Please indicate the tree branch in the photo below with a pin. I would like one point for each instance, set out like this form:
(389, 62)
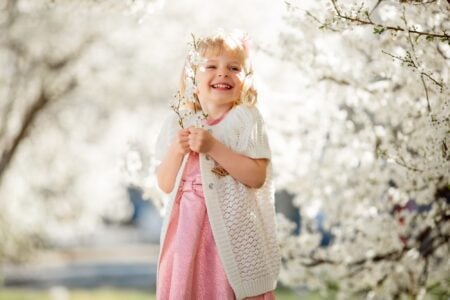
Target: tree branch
(30, 116)
(443, 36)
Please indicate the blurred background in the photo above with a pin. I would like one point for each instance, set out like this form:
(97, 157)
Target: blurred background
(355, 97)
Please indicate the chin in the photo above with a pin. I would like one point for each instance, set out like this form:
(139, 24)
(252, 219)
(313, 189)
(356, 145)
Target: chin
(224, 102)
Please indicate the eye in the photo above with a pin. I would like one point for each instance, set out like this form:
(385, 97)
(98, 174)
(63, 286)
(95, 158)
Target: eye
(210, 66)
(235, 68)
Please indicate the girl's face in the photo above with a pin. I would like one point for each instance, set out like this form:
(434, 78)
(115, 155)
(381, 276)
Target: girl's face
(219, 80)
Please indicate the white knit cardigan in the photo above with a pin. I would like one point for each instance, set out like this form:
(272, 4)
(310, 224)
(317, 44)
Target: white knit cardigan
(242, 219)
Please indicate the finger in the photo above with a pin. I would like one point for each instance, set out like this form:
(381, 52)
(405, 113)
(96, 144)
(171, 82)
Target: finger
(183, 132)
(192, 144)
(194, 130)
(181, 142)
(193, 135)
(190, 128)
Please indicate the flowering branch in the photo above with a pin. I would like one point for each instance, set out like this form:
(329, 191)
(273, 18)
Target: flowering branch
(379, 28)
(191, 67)
(176, 108)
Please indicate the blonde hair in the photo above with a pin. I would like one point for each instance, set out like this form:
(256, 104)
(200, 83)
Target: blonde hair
(237, 45)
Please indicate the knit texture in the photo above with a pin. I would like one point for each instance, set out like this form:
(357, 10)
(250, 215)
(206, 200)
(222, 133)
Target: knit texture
(242, 219)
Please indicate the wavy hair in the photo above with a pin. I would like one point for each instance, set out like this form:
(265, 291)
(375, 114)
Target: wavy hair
(237, 45)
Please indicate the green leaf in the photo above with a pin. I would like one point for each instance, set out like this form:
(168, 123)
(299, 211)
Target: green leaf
(378, 29)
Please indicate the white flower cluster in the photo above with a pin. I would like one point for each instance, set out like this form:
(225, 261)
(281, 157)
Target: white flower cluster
(366, 153)
(194, 61)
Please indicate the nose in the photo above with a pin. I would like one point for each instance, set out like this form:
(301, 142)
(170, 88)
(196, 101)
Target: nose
(222, 72)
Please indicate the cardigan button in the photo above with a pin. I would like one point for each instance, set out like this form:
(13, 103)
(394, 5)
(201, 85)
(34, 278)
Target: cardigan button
(207, 157)
(211, 185)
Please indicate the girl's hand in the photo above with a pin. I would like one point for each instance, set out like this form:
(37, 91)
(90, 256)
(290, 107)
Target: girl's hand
(200, 140)
(181, 143)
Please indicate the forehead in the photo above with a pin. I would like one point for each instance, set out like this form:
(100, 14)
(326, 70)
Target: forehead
(215, 51)
(223, 58)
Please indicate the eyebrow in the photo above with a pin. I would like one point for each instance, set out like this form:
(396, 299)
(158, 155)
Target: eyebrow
(230, 62)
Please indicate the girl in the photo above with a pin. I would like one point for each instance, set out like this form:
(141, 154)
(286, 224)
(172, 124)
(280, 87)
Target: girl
(218, 235)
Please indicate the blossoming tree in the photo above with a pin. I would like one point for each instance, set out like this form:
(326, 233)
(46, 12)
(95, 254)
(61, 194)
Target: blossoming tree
(58, 80)
(371, 147)
(362, 146)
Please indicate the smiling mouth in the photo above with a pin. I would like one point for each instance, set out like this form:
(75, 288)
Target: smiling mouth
(221, 86)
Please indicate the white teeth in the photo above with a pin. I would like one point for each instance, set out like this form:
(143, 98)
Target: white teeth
(222, 86)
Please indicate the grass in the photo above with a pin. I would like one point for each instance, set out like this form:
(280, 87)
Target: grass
(104, 294)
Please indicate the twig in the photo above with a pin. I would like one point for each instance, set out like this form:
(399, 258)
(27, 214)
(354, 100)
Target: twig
(375, 6)
(426, 93)
(443, 36)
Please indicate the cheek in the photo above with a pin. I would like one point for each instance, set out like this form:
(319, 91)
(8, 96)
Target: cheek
(239, 86)
(201, 80)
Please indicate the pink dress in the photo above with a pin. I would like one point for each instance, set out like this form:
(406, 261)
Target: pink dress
(189, 266)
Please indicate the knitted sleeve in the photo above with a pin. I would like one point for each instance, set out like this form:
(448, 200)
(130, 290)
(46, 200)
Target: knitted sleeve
(253, 140)
(166, 136)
